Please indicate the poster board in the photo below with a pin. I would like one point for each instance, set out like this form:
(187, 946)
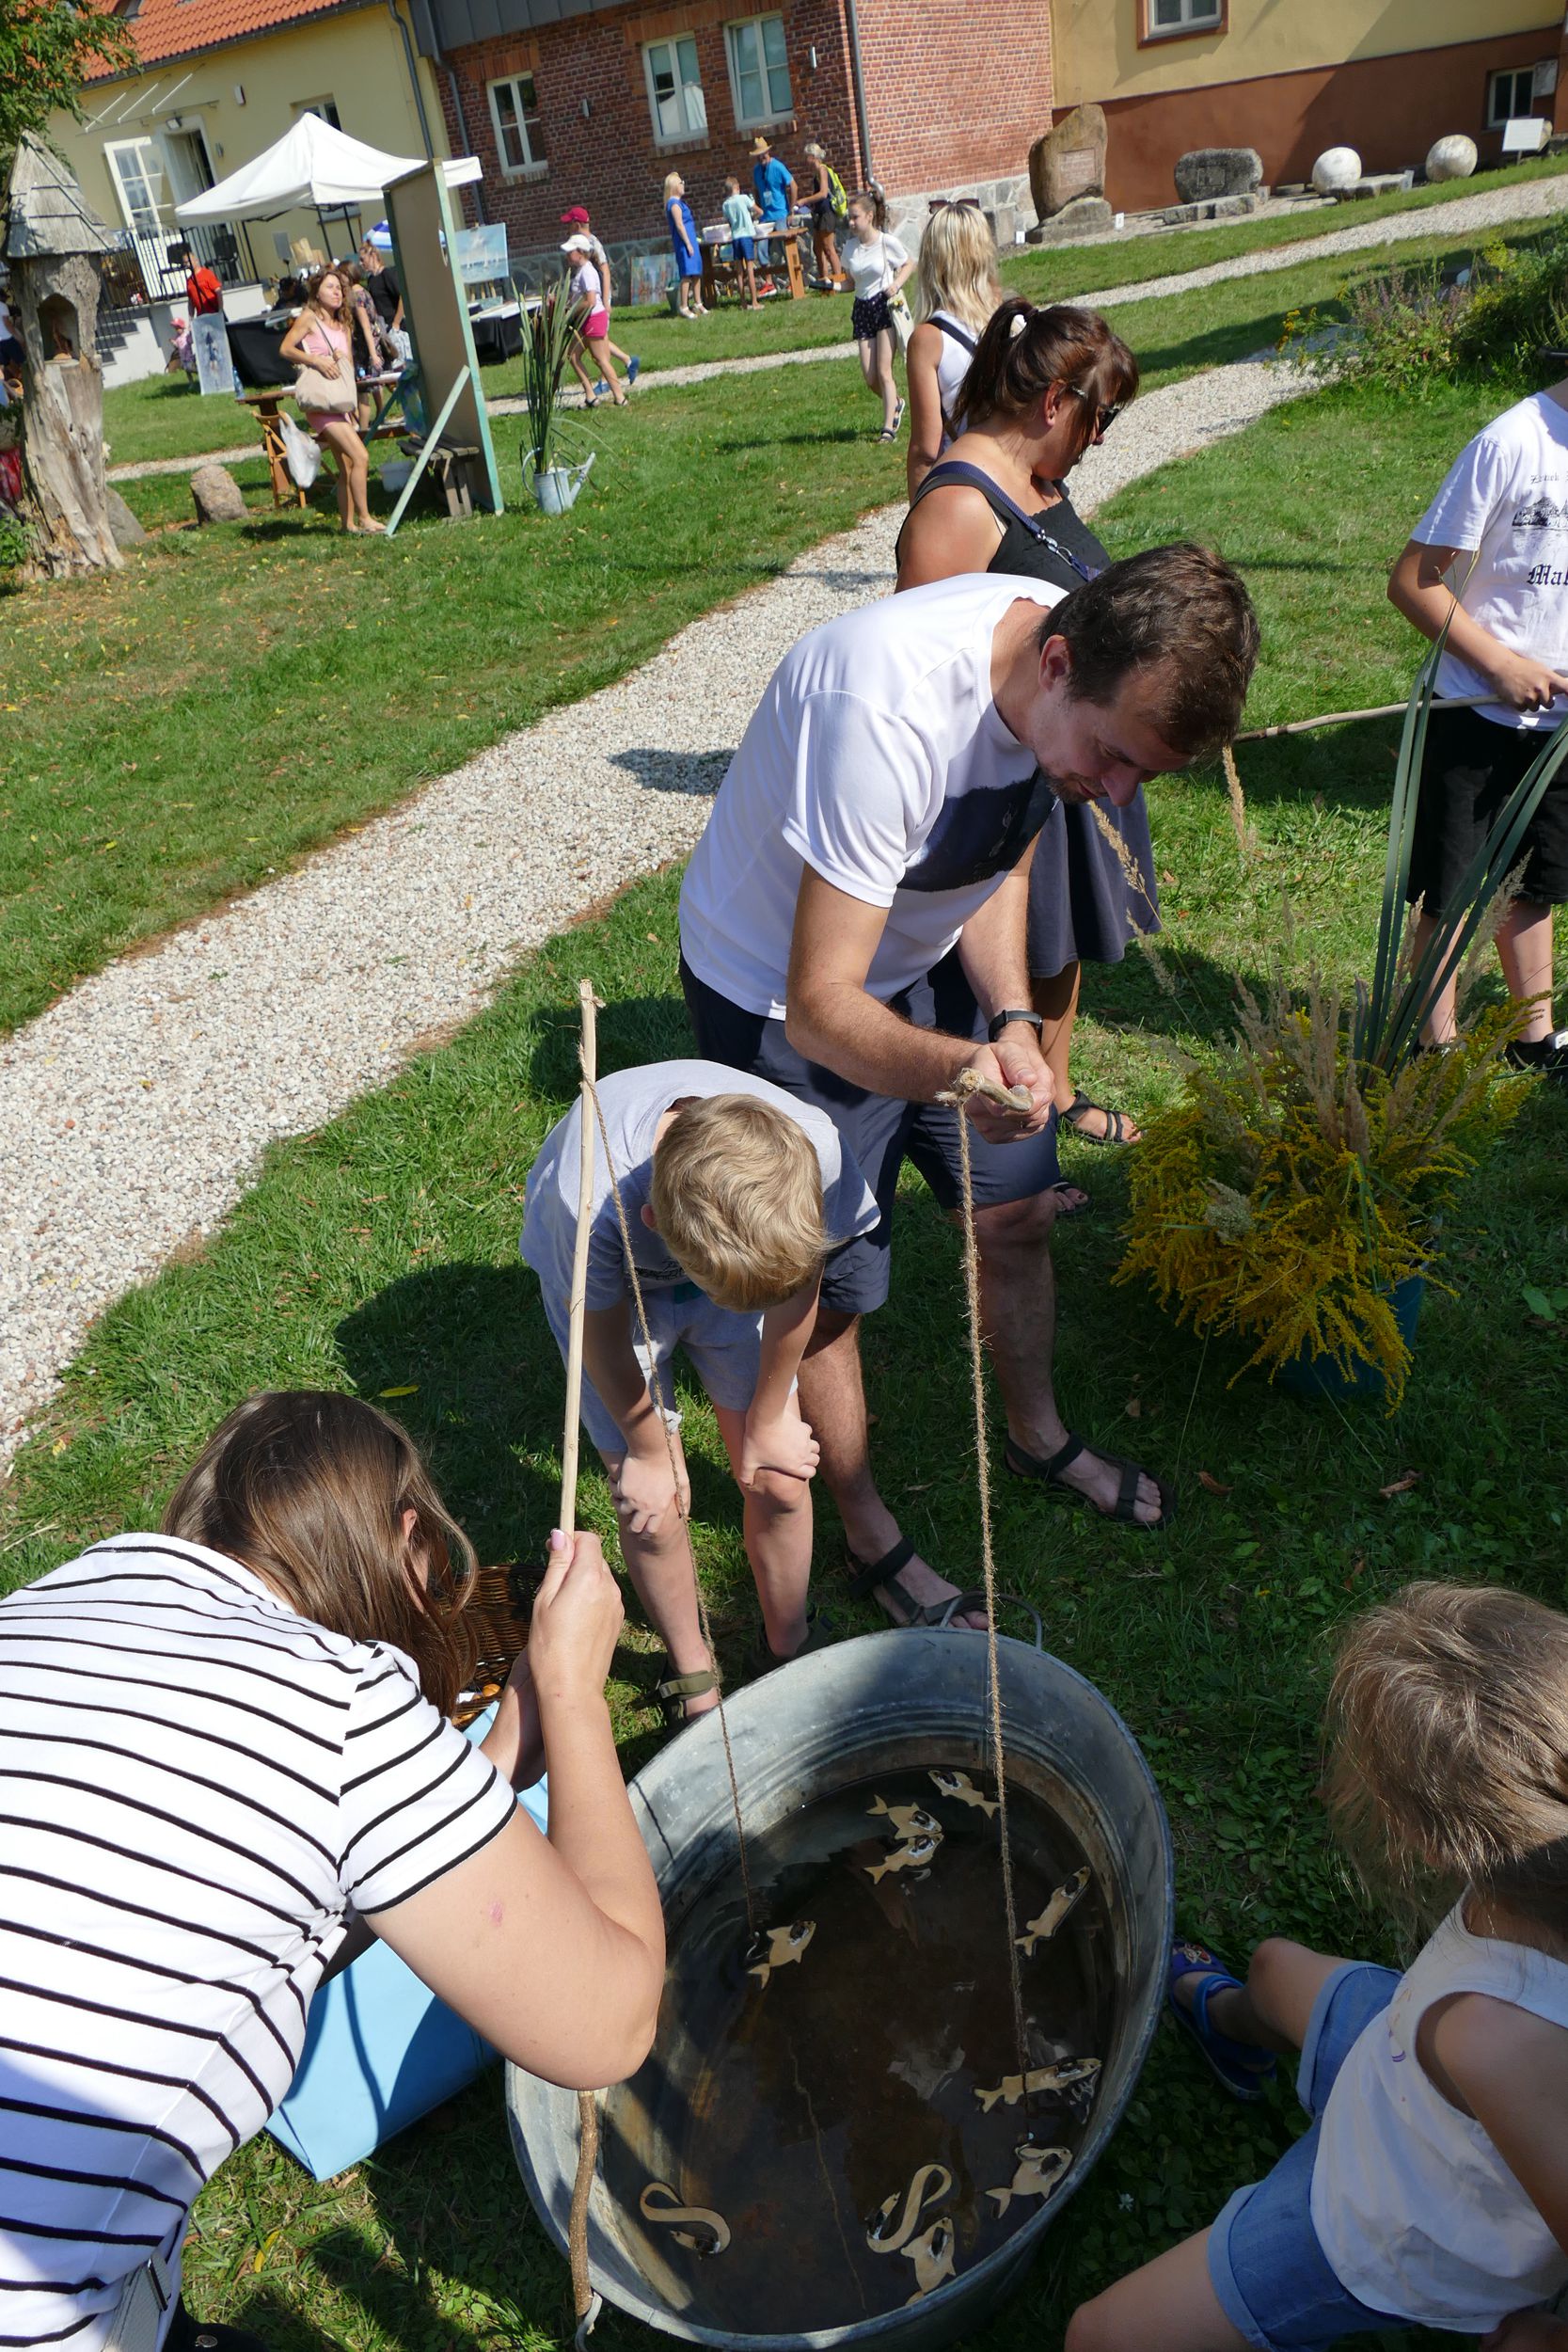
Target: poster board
(436, 313)
(215, 369)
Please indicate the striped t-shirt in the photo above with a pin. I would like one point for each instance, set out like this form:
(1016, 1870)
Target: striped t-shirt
(196, 1782)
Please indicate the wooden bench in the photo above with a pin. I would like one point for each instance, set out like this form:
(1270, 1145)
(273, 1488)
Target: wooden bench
(452, 466)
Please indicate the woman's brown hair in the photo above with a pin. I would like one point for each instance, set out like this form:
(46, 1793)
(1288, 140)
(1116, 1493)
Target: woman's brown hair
(875, 202)
(1448, 1750)
(309, 1489)
(313, 284)
(1024, 351)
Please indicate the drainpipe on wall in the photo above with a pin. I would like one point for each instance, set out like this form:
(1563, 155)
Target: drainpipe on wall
(412, 80)
(859, 78)
(429, 45)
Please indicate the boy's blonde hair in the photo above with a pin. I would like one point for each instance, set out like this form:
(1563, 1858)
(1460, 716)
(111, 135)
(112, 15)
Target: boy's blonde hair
(957, 268)
(737, 1195)
(1448, 1757)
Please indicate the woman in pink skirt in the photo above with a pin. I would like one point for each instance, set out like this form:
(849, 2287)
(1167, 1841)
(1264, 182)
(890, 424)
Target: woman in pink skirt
(322, 338)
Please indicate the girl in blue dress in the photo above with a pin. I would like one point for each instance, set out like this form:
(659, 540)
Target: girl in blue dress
(688, 259)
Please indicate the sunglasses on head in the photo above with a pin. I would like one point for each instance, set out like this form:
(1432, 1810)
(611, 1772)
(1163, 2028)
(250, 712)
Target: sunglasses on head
(1105, 411)
(956, 204)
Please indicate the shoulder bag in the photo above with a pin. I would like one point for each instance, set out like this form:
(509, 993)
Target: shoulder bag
(332, 394)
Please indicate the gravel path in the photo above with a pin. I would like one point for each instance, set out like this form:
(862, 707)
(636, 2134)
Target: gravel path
(1530, 199)
(133, 1112)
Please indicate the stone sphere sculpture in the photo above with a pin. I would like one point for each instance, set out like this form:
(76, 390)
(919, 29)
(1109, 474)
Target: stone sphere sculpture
(1453, 158)
(1337, 167)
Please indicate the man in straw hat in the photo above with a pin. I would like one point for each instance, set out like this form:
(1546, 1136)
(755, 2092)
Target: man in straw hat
(774, 183)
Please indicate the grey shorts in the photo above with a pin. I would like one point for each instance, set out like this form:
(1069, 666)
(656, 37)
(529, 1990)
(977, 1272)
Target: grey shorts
(725, 1350)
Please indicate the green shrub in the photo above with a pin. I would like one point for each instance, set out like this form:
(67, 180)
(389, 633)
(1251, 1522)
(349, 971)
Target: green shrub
(15, 547)
(1518, 309)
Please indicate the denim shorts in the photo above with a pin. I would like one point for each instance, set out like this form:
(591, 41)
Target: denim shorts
(880, 1131)
(1270, 2275)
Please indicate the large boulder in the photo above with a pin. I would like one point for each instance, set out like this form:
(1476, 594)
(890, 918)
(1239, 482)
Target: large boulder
(1336, 169)
(217, 496)
(127, 531)
(1069, 161)
(1084, 217)
(1453, 158)
(1211, 171)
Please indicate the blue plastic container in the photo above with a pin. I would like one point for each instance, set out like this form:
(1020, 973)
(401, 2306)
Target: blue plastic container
(380, 2050)
(1319, 1376)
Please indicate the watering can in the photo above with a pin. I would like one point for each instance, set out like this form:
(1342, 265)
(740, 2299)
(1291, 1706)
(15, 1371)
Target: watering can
(555, 487)
(904, 1699)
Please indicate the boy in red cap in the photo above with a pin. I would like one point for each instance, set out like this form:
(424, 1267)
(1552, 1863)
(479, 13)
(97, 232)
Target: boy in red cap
(575, 216)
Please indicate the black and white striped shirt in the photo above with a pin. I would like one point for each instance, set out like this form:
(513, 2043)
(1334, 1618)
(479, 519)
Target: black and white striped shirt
(195, 1784)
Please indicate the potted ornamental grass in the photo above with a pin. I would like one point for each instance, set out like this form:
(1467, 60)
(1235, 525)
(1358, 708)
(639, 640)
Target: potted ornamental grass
(547, 454)
(1294, 1192)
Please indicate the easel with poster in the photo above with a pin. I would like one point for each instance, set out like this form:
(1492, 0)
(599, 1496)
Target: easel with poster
(436, 313)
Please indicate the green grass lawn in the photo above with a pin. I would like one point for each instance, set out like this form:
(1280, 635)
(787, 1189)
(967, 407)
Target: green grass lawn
(164, 417)
(382, 1252)
(165, 725)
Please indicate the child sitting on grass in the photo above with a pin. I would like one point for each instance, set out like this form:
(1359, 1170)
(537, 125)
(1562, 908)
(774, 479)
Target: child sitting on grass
(1432, 2188)
(734, 1195)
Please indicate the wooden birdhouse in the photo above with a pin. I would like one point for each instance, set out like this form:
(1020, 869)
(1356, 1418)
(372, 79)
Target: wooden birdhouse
(52, 244)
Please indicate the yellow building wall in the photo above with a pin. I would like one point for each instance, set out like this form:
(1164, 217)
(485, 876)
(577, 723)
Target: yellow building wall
(1095, 52)
(356, 59)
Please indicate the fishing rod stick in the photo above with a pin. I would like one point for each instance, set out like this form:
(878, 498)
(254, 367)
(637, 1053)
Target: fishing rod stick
(583, 2297)
(1344, 717)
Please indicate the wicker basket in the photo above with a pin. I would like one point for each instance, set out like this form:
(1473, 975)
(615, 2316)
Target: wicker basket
(499, 1612)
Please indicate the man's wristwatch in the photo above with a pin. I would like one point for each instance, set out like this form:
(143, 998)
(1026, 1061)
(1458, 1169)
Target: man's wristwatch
(1000, 1021)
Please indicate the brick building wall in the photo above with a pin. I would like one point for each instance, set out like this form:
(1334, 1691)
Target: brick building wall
(946, 111)
(954, 94)
(610, 159)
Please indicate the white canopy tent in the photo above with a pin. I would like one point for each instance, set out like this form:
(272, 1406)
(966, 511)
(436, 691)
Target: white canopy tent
(313, 166)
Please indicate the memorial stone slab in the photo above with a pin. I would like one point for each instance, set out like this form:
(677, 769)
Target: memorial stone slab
(1211, 171)
(1069, 161)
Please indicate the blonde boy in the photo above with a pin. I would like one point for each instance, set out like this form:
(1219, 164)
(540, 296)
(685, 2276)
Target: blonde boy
(735, 1193)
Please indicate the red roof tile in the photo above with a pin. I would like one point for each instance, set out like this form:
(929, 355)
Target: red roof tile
(166, 29)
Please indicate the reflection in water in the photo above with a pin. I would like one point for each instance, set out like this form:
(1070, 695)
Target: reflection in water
(847, 2087)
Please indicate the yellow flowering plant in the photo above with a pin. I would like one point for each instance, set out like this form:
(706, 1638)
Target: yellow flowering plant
(1296, 1183)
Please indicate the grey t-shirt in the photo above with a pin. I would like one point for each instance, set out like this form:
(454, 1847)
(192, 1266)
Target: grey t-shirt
(633, 1102)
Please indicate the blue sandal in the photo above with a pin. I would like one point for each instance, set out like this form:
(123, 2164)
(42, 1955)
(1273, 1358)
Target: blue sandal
(1234, 2062)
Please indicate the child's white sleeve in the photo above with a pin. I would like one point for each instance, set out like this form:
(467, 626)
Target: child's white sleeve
(1475, 486)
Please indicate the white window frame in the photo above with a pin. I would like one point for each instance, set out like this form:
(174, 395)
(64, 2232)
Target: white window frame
(1512, 75)
(146, 148)
(524, 124)
(771, 113)
(683, 94)
(299, 106)
(1196, 16)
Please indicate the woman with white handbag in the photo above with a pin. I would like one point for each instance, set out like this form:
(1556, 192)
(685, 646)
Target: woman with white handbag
(877, 265)
(319, 344)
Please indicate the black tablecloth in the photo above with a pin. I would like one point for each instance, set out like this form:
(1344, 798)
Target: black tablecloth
(498, 337)
(254, 347)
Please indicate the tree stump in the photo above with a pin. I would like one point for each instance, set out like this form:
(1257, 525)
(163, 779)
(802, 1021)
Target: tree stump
(52, 244)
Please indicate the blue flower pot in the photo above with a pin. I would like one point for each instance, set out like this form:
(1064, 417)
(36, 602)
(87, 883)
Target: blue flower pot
(1319, 1376)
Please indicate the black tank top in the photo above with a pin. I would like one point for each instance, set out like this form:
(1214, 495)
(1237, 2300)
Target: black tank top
(1054, 545)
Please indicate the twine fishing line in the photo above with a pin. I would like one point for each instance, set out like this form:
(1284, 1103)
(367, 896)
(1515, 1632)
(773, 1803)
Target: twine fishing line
(968, 1083)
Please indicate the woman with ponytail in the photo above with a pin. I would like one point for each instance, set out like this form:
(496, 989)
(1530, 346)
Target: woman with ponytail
(877, 265)
(1043, 387)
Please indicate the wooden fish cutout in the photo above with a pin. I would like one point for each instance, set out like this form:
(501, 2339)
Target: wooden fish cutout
(1062, 2076)
(668, 2216)
(909, 1821)
(932, 2257)
(782, 1946)
(1039, 2172)
(890, 2235)
(913, 1856)
(959, 1784)
(1040, 1930)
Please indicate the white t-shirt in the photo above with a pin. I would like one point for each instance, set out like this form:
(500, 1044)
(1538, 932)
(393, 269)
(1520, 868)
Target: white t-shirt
(586, 286)
(633, 1102)
(196, 1783)
(1413, 2207)
(877, 757)
(872, 265)
(1506, 496)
